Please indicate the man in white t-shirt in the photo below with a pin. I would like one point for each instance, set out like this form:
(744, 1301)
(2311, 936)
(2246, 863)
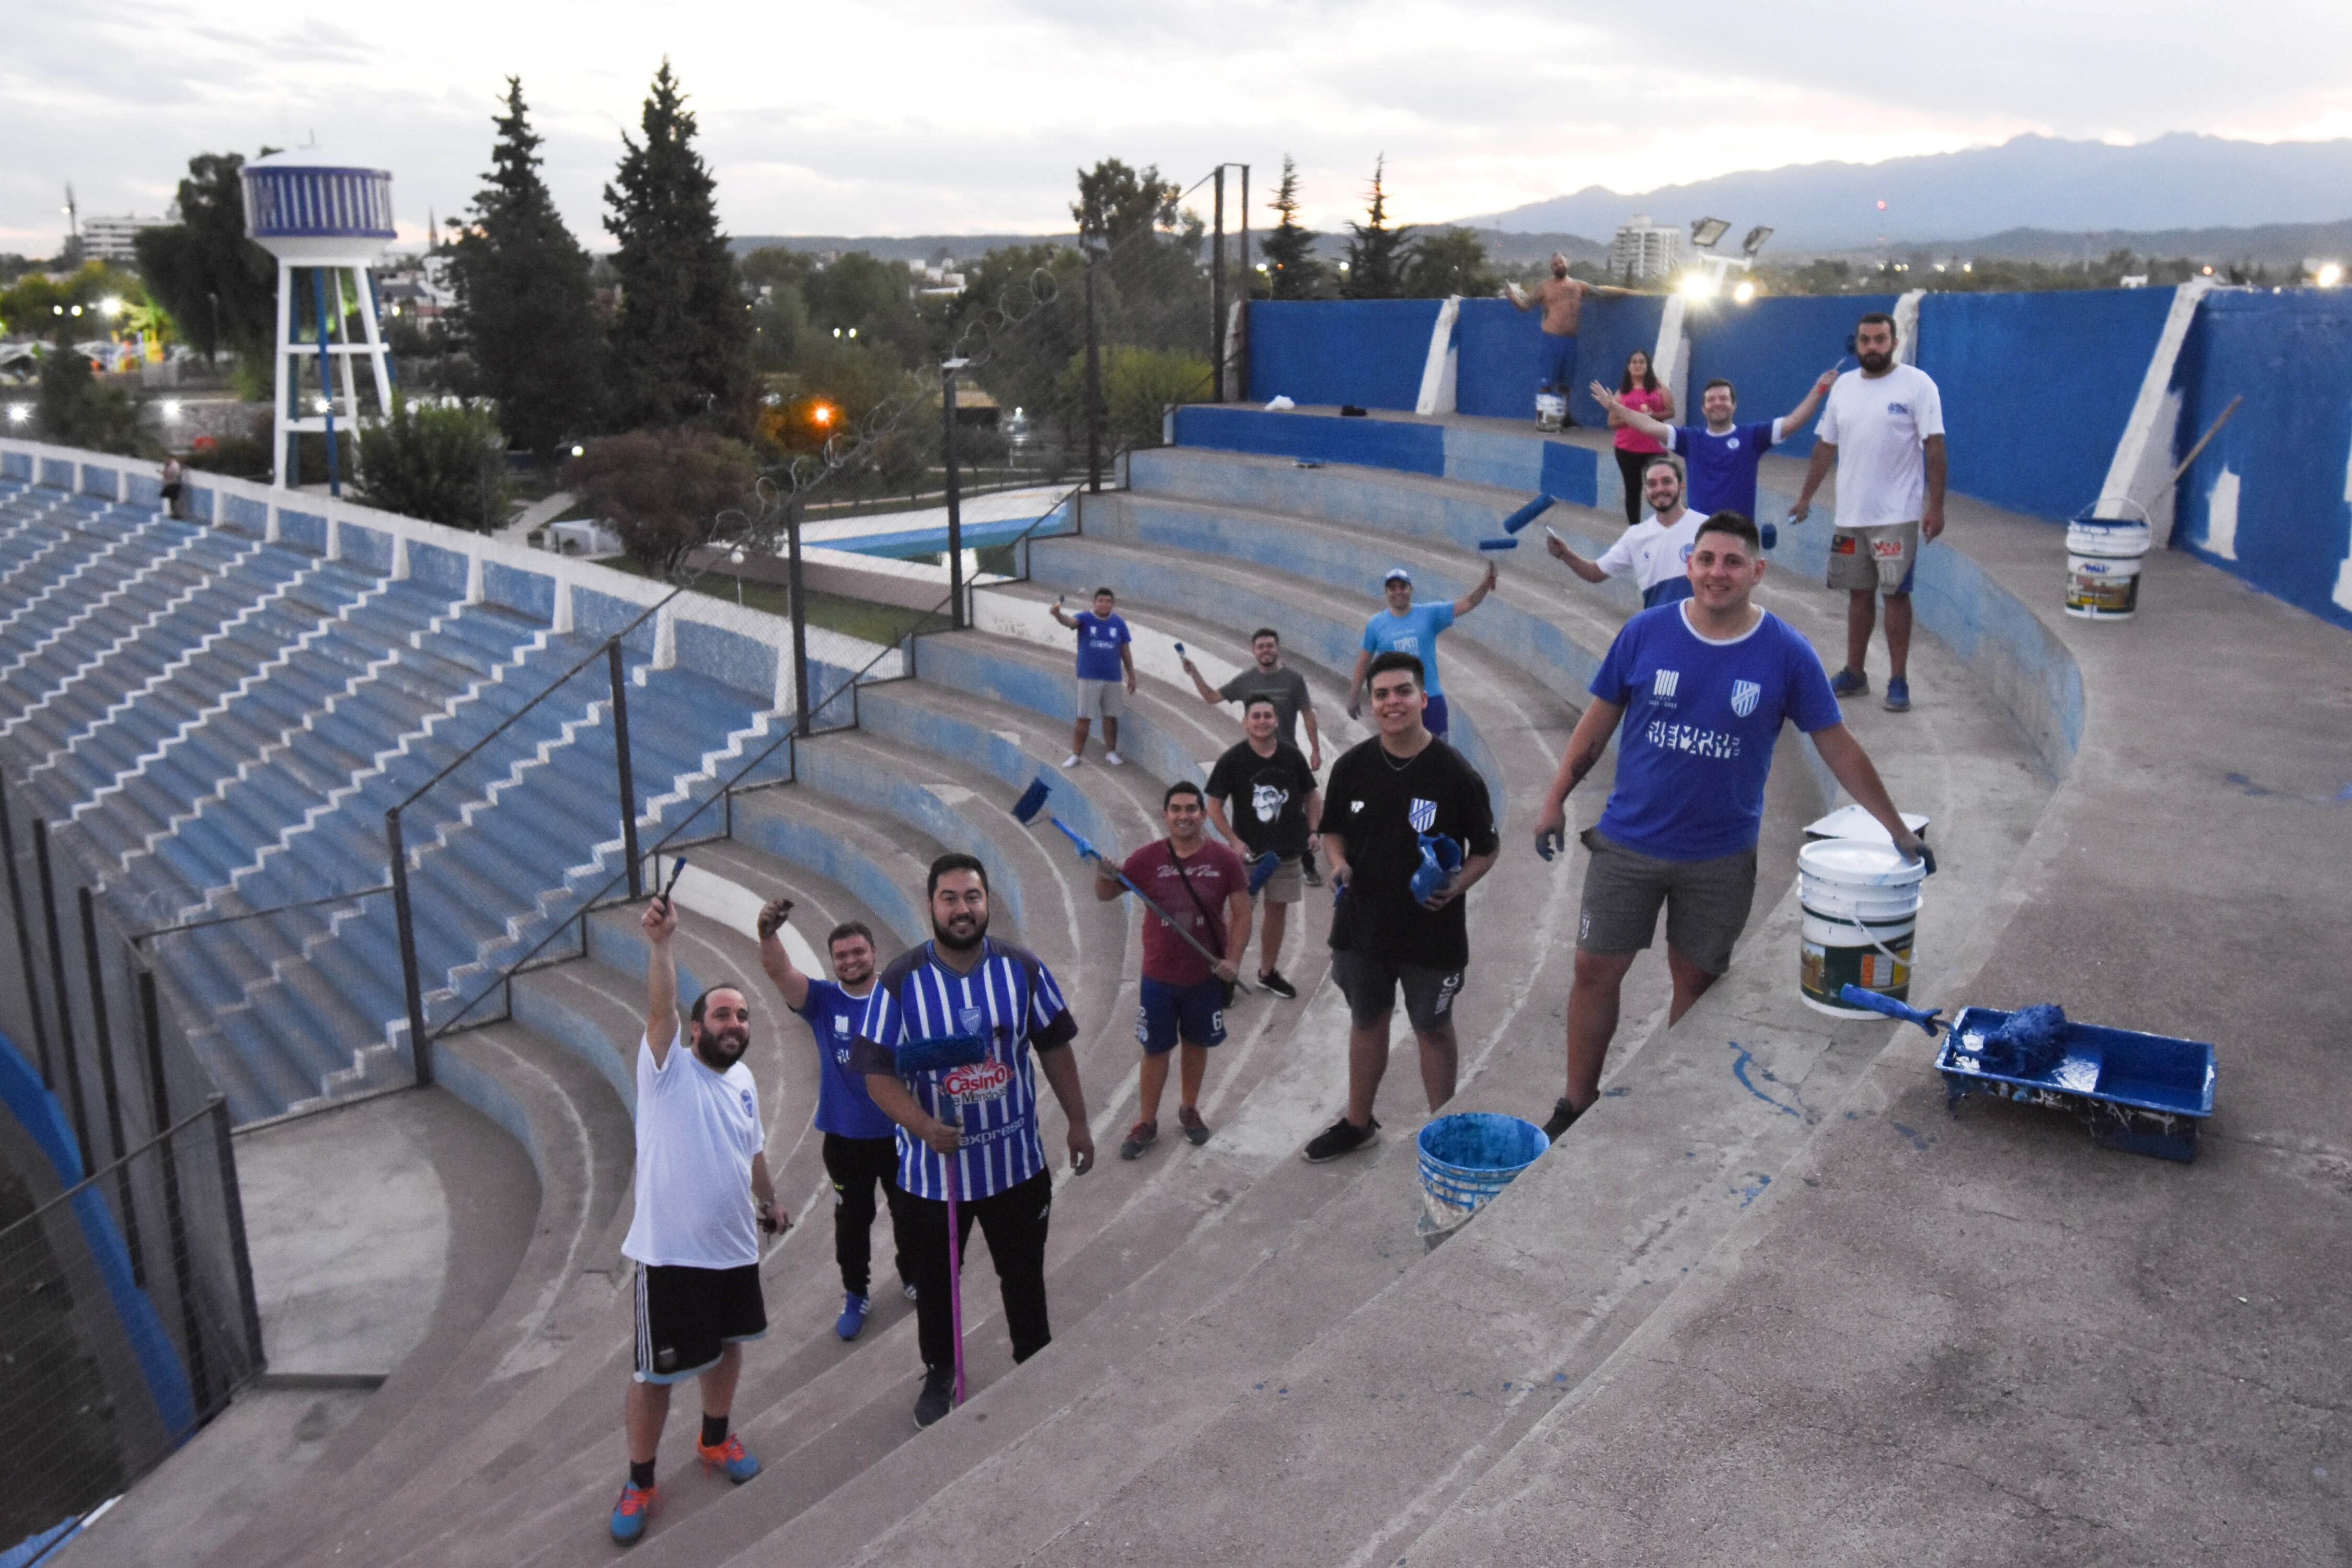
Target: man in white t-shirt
(1884, 428)
(702, 1199)
(1657, 550)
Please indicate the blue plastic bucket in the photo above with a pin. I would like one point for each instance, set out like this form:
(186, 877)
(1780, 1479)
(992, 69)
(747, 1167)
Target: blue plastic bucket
(1468, 1158)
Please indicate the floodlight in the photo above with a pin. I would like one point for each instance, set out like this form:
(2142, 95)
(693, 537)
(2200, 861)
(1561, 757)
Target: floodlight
(1755, 241)
(112, 304)
(2329, 274)
(1744, 292)
(1698, 286)
(1706, 231)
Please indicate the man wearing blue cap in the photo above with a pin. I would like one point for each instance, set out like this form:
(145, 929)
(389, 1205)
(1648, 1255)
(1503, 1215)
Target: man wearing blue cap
(1407, 627)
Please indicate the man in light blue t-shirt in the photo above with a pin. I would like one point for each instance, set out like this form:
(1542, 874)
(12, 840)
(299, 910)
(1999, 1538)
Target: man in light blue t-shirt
(1407, 627)
(1702, 687)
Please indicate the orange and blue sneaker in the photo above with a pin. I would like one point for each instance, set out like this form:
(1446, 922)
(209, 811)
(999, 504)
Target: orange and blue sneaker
(731, 1458)
(630, 1514)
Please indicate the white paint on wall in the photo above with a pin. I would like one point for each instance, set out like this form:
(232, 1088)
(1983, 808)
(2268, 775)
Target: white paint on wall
(2343, 595)
(2221, 516)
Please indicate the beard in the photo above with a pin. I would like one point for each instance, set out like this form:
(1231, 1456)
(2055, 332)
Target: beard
(1875, 364)
(721, 1048)
(961, 933)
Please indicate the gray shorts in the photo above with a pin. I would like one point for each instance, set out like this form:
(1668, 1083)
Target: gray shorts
(1877, 558)
(1107, 697)
(1706, 902)
(1370, 984)
(1285, 886)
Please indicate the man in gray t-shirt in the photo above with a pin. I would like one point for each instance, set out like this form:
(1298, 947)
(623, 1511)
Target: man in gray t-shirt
(1268, 677)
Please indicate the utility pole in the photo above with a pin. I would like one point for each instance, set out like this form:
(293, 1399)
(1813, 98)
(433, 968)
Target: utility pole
(955, 510)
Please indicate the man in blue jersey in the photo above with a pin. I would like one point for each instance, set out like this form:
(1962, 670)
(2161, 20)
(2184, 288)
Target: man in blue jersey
(963, 984)
(1407, 627)
(1657, 550)
(1106, 673)
(1723, 453)
(1702, 687)
(861, 1144)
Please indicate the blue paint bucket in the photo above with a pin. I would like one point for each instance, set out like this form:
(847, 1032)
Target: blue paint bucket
(1466, 1159)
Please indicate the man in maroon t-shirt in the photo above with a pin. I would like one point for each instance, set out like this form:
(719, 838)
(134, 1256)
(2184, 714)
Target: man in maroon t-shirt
(1202, 887)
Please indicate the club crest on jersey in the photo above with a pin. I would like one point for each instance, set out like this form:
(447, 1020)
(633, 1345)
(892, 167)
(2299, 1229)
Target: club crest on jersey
(1422, 814)
(970, 1018)
(1744, 694)
(751, 1107)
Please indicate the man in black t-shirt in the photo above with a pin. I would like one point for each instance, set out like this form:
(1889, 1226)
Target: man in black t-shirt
(1385, 797)
(1278, 810)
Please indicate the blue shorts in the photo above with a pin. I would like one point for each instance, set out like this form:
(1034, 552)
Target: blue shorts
(1195, 1013)
(1556, 361)
(1432, 718)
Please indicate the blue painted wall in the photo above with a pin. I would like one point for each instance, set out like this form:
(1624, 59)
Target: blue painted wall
(1771, 350)
(1496, 374)
(2290, 357)
(1412, 448)
(1366, 352)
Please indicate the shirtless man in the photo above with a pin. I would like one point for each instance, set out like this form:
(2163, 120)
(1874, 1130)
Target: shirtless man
(1562, 298)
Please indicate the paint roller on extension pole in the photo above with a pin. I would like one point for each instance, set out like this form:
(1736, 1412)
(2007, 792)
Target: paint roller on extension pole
(941, 1055)
(1088, 852)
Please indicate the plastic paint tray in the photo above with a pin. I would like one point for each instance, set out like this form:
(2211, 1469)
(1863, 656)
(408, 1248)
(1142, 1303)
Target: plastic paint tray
(2144, 1094)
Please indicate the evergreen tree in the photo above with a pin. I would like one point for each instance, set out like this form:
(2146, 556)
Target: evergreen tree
(525, 308)
(1376, 255)
(1449, 261)
(681, 341)
(1291, 271)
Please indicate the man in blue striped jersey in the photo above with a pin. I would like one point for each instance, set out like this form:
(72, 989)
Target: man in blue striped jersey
(982, 1117)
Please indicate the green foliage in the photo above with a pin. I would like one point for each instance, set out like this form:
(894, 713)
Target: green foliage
(73, 409)
(663, 490)
(1117, 203)
(874, 297)
(680, 342)
(1449, 261)
(1137, 385)
(526, 311)
(240, 457)
(1292, 272)
(37, 305)
(219, 287)
(442, 464)
(1376, 253)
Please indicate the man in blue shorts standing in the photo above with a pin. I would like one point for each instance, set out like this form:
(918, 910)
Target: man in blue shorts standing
(1702, 687)
(1407, 627)
(861, 1147)
(1723, 453)
(1106, 673)
(1201, 889)
(1561, 299)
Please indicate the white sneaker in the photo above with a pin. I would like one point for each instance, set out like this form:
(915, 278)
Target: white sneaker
(1114, 758)
(1071, 761)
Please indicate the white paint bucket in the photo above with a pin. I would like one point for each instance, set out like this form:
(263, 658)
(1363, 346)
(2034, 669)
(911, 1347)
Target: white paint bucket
(2103, 561)
(1861, 907)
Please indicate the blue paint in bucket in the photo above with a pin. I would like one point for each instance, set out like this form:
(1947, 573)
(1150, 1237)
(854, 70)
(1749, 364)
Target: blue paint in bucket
(1466, 1159)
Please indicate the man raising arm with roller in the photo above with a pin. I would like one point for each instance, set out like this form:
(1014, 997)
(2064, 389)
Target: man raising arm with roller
(1410, 628)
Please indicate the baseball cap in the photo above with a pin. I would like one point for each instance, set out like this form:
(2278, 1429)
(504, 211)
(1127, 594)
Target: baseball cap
(1397, 575)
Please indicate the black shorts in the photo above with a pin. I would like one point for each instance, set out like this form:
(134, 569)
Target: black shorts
(686, 1317)
(1370, 984)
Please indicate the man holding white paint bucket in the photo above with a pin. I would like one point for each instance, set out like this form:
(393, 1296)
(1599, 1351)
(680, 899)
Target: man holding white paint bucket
(1702, 687)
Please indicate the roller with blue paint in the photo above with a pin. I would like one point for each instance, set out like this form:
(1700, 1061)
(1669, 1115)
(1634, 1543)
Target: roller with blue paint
(1498, 544)
(1528, 513)
(1031, 801)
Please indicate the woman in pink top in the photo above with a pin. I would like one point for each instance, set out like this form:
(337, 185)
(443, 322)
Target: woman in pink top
(1639, 388)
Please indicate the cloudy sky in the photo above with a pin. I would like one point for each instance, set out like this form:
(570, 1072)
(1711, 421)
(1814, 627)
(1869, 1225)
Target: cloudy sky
(905, 117)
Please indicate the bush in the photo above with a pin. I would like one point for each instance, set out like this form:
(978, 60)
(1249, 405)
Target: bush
(663, 490)
(1137, 385)
(444, 465)
(239, 456)
(75, 410)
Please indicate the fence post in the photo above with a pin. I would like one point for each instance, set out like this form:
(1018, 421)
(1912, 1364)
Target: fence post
(233, 1201)
(108, 1082)
(57, 991)
(420, 1042)
(627, 772)
(1217, 294)
(1094, 390)
(24, 960)
(191, 1329)
(801, 717)
(955, 510)
(1239, 368)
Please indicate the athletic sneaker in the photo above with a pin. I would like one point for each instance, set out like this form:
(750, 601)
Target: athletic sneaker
(853, 1316)
(731, 1458)
(1313, 877)
(1849, 683)
(907, 1289)
(938, 1396)
(629, 1514)
(1140, 1137)
(1114, 758)
(1898, 696)
(1071, 761)
(1563, 1117)
(1342, 1137)
(1196, 1131)
(1274, 985)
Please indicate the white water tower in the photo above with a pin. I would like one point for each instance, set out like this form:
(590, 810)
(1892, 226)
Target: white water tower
(327, 222)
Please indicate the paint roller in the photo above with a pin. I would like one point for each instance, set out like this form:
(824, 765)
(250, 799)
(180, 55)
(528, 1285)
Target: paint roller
(677, 869)
(1526, 515)
(1088, 852)
(1031, 801)
(941, 1055)
(1441, 857)
(1260, 870)
(1505, 544)
(2028, 1045)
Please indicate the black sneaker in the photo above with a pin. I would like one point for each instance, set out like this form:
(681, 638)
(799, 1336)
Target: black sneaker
(938, 1396)
(1563, 1117)
(1342, 1137)
(1274, 985)
(1196, 1131)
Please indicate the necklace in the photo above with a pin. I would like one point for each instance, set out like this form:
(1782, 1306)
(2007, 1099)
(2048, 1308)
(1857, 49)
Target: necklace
(1398, 767)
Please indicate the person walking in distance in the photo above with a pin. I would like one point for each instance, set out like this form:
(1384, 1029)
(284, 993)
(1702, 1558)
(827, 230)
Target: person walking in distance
(1201, 889)
(1702, 687)
(1106, 674)
(1657, 550)
(1639, 389)
(1268, 677)
(702, 1199)
(175, 476)
(1277, 811)
(978, 1120)
(1723, 453)
(1561, 299)
(1392, 800)
(1407, 627)
(1884, 431)
(861, 1147)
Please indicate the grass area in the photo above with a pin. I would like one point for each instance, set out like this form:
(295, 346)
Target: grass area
(861, 618)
